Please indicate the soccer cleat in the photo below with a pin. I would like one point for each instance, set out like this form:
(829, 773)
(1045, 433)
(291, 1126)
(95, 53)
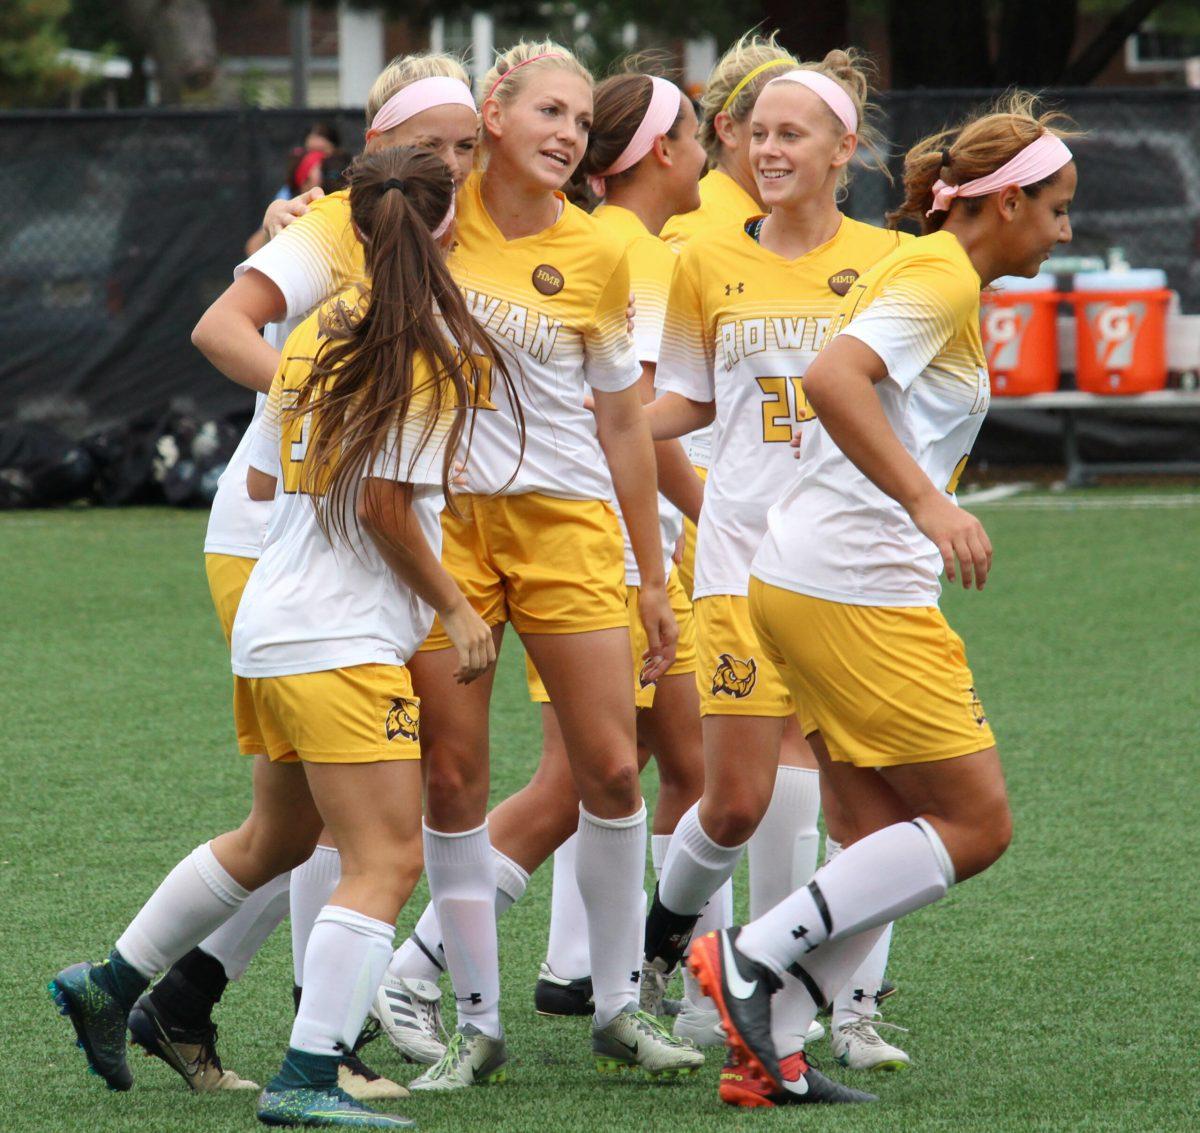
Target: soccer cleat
(741, 989)
(802, 1084)
(701, 1026)
(409, 1011)
(816, 1033)
(471, 1059)
(192, 1054)
(652, 992)
(637, 1041)
(98, 1020)
(363, 1084)
(330, 1108)
(858, 1046)
(555, 996)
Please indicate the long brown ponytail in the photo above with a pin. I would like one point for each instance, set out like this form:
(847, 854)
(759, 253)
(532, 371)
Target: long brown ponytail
(360, 389)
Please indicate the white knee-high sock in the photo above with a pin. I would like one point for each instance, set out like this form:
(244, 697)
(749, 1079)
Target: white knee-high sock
(884, 876)
(346, 956)
(783, 850)
(567, 953)
(196, 897)
(238, 940)
(859, 996)
(696, 866)
(712, 917)
(422, 956)
(462, 882)
(610, 867)
(312, 886)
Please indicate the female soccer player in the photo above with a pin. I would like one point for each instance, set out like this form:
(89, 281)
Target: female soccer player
(728, 192)
(364, 416)
(748, 309)
(643, 147)
(537, 545)
(420, 100)
(845, 586)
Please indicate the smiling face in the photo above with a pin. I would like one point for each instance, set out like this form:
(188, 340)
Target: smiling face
(797, 147)
(1039, 223)
(540, 132)
(450, 131)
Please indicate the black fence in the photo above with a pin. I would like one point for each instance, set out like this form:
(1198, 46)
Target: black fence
(121, 228)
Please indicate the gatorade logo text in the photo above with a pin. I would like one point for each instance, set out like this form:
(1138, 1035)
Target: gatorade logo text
(1003, 329)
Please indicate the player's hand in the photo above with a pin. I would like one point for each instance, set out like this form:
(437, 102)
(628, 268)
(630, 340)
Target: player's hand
(677, 553)
(662, 634)
(472, 637)
(797, 437)
(630, 314)
(280, 214)
(958, 536)
(458, 476)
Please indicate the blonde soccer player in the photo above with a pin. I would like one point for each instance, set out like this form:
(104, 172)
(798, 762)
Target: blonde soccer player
(420, 100)
(644, 158)
(845, 586)
(749, 308)
(728, 192)
(538, 545)
(363, 420)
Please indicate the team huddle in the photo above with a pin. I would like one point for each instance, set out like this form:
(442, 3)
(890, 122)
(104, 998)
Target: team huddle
(699, 447)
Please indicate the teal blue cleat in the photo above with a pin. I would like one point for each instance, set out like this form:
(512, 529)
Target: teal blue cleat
(99, 1022)
(330, 1108)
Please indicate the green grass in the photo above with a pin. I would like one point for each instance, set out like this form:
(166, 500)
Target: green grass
(1055, 992)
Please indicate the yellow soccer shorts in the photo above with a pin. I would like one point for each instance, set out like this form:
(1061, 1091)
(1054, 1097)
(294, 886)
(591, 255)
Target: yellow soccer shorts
(360, 714)
(545, 564)
(227, 578)
(685, 650)
(687, 567)
(883, 685)
(733, 672)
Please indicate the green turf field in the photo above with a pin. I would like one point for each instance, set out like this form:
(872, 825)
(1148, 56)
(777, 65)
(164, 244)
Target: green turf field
(1056, 992)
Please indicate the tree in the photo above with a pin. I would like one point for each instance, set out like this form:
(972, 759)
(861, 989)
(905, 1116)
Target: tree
(31, 39)
(181, 39)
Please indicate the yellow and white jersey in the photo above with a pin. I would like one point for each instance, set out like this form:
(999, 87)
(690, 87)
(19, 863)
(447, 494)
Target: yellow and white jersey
(651, 266)
(312, 604)
(555, 302)
(723, 203)
(313, 258)
(833, 534)
(743, 324)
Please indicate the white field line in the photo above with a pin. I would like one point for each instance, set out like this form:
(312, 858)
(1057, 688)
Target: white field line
(1081, 502)
(991, 495)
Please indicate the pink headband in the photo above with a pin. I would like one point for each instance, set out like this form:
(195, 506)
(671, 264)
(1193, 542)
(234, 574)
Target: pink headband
(665, 101)
(1048, 154)
(422, 95)
(532, 59)
(828, 90)
(447, 220)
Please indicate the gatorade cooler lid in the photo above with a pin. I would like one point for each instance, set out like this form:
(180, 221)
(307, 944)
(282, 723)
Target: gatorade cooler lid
(1137, 279)
(1009, 284)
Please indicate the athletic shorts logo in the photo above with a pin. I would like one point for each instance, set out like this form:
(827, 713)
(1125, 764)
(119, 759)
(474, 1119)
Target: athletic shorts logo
(548, 280)
(841, 281)
(734, 677)
(977, 707)
(403, 718)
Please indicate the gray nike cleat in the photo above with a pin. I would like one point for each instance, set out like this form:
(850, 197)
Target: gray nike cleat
(471, 1059)
(637, 1041)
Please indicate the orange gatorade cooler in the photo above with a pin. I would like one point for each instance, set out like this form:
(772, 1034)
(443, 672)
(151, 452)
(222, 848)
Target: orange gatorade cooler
(1019, 334)
(1121, 331)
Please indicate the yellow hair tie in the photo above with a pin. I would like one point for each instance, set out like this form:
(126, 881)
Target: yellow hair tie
(751, 77)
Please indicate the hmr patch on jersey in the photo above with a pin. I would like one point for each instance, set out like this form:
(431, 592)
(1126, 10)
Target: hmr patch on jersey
(403, 719)
(734, 677)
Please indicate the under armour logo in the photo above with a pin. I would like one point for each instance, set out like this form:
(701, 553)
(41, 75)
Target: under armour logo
(635, 977)
(801, 933)
(860, 994)
(730, 288)
(475, 998)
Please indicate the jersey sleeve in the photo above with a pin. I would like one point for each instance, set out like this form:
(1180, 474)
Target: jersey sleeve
(914, 315)
(610, 364)
(268, 434)
(310, 259)
(685, 362)
(651, 267)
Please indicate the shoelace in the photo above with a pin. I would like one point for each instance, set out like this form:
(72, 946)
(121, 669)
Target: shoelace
(450, 1060)
(657, 1028)
(429, 1014)
(371, 1030)
(866, 1028)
